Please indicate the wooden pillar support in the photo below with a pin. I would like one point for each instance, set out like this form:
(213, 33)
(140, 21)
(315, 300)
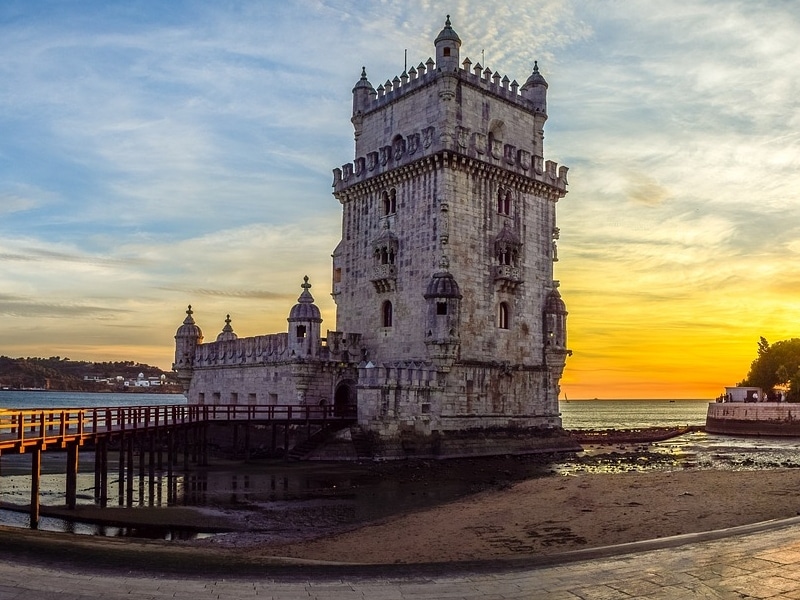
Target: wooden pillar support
(103, 449)
(129, 491)
(36, 477)
(72, 475)
(121, 467)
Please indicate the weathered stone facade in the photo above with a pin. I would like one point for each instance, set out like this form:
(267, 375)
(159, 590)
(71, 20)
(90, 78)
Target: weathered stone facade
(444, 271)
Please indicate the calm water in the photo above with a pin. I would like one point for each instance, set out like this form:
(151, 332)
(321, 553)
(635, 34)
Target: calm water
(575, 414)
(632, 414)
(49, 400)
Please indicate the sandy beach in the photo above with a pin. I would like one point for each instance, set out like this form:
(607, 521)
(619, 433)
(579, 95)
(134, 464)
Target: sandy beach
(561, 513)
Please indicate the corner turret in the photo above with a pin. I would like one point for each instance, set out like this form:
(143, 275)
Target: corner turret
(555, 320)
(304, 320)
(187, 338)
(227, 334)
(535, 90)
(363, 94)
(443, 323)
(447, 45)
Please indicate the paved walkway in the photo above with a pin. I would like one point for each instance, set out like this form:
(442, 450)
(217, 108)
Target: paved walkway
(750, 562)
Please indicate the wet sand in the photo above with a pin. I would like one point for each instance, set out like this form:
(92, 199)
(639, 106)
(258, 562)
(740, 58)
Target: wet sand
(507, 519)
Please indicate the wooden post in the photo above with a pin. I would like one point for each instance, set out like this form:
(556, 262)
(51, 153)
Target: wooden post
(72, 475)
(141, 469)
(186, 448)
(121, 468)
(96, 471)
(151, 468)
(36, 476)
(104, 472)
(129, 495)
(170, 462)
(205, 444)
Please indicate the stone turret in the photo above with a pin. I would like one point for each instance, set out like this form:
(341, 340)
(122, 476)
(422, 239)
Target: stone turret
(227, 334)
(187, 338)
(447, 45)
(304, 321)
(535, 90)
(363, 94)
(555, 320)
(443, 321)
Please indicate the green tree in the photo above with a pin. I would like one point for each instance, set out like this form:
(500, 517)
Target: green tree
(776, 364)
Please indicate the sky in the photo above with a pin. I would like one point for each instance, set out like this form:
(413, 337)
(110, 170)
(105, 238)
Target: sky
(159, 154)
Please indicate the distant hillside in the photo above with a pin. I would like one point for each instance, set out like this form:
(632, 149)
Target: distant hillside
(56, 373)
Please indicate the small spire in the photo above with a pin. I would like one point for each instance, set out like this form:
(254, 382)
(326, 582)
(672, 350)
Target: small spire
(189, 320)
(364, 73)
(536, 66)
(228, 323)
(447, 21)
(305, 285)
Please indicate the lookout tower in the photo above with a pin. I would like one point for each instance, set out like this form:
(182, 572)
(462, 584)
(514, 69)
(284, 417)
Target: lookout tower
(449, 235)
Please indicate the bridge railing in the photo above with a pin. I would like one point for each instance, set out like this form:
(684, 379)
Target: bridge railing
(21, 428)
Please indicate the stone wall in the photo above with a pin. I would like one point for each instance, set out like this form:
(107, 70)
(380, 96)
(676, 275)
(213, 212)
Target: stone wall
(757, 418)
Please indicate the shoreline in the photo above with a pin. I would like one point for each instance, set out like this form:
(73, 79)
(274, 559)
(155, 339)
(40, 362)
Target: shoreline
(535, 519)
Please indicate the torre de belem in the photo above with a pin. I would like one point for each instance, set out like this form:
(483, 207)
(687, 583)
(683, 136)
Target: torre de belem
(450, 330)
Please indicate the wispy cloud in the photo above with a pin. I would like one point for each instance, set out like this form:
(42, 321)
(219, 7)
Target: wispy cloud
(151, 159)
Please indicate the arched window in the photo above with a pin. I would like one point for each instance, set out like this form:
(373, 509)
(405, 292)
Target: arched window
(389, 199)
(503, 316)
(386, 314)
(503, 202)
(301, 332)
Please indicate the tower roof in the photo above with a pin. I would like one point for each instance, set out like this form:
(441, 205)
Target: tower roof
(442, 285)
(189, 329)
(305, 309)
(554, 304)
(363, 82)
(536, 78)
(448, 33)
(227, 333)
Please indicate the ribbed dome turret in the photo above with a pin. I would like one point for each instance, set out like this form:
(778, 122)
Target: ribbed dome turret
(535, 90)
(227, 333)
(305, 309)
(442, 285)
(536, 78)
(448, 33)
(447, 49)
(364, 82)
(555, 305)
(189, 329)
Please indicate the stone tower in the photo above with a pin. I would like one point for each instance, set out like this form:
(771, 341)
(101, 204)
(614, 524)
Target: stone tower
(449, 235)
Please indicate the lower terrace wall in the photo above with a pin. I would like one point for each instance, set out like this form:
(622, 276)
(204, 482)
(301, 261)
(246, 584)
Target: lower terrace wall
(756, 418)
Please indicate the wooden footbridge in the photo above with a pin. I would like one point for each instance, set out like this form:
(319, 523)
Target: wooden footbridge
(154, 430)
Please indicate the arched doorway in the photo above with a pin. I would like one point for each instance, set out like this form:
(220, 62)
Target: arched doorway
(344, 398)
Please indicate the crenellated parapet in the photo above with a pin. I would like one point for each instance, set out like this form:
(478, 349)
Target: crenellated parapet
(425, 74)
(274, 348)
(404, 374)
(258, 349)
(525, 168)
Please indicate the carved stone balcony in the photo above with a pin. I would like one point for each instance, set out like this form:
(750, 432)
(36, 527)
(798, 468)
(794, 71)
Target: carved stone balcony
(507, 277)
(384, 277)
